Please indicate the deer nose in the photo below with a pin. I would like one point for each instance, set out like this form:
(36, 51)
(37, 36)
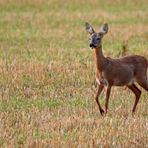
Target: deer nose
(90, 45)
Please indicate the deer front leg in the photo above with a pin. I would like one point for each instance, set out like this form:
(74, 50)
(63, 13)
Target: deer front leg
(100, 88)
(107, 98)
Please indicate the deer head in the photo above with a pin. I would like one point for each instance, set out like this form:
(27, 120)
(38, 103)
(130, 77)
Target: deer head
(96, 37)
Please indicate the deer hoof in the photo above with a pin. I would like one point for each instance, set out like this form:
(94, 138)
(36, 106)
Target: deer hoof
(102, 112)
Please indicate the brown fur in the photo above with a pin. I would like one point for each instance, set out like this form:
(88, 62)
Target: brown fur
(121, 72)
(116, 72)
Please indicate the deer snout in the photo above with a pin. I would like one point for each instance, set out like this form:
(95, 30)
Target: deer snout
(92, 45)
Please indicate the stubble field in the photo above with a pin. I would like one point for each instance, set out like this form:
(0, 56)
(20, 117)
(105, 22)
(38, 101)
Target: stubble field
(47, 74)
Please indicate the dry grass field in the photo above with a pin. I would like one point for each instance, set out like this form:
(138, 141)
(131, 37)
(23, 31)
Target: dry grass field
(47, 74)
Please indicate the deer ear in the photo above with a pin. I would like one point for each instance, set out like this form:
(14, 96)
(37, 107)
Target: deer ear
(104, 28)
(89, 28)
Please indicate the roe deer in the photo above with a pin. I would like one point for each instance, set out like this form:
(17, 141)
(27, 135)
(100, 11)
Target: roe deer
(116, 72)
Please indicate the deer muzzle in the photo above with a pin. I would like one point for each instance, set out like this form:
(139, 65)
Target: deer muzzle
(92, 45)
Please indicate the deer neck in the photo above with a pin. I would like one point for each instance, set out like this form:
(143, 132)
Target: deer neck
(101, 61)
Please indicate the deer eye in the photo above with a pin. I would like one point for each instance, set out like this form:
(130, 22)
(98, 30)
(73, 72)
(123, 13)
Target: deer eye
(98, 38)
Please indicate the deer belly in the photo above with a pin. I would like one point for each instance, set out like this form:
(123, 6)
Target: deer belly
(122, 82)
(123, 77)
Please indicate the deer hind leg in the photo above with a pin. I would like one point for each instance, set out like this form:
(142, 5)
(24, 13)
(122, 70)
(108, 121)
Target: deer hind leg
(100, 88)
(137, 93)
(143, 82)
(141, 78)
